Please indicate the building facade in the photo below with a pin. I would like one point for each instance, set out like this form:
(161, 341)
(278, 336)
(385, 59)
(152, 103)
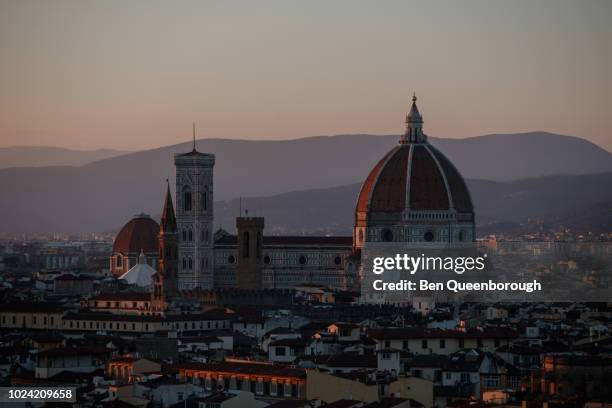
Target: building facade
(282, 262)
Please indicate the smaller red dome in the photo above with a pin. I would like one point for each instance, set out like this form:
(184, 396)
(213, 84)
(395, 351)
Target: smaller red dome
(138, 234)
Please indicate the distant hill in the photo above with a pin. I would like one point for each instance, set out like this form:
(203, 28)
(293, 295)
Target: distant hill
(40, 156)
(105, 193)
(581, 203)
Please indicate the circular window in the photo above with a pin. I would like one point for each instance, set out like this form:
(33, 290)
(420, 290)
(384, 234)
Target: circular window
(429, 236)
(267, 260)
(337, 260)
(302, 260)
(387, 235)
(231, 259)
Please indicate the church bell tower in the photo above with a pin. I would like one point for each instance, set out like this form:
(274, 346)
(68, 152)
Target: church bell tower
(250, 249)
(165, 280)
(194, 216)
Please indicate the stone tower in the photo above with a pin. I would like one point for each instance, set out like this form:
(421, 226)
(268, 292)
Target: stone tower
(250, 247)
(194, 214)
(165, 280)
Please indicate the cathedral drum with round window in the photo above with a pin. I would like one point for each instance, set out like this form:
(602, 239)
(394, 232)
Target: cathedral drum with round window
(414, 194)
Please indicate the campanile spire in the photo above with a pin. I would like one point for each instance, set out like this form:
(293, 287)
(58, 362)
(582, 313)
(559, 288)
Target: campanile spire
(194, 148)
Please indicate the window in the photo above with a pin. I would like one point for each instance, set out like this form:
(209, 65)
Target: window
(267, 260)
(337, 260)
(204, 201)
(302, 260)
(461, 237)
(491, 381)
(184, 235)
(184, 263)
(461, 343)
(190, 235)
(424, 344)
(280, 351)
(442, 343)
(231, 259)
(119, 261)
(429, 236)
(186, 199)
(405, 345)
(190, 263)
(496, 342)
(387, 235)
(465, 377)
(448, 375)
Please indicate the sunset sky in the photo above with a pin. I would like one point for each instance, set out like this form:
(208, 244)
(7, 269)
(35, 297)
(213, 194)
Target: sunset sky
(136, 74)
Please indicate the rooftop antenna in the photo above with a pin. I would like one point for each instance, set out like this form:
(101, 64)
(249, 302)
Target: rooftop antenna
(194, 149)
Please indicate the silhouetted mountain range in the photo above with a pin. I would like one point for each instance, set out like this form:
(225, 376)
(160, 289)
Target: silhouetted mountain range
(581, 203)
(106, 193)
(39, 156)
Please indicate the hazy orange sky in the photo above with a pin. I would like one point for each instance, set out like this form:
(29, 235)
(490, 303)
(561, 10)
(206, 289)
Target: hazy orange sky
(136, 74)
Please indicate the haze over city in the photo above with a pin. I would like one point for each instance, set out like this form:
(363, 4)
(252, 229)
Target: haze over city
(135, 75)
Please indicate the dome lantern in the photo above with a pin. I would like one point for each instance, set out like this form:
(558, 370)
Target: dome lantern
(414, 125)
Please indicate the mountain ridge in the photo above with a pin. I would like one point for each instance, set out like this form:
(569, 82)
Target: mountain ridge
(47, 156)
(66, 198)
(522, 204)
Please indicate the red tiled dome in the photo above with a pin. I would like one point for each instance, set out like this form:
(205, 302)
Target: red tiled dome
(138, 234)
(414, 176)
